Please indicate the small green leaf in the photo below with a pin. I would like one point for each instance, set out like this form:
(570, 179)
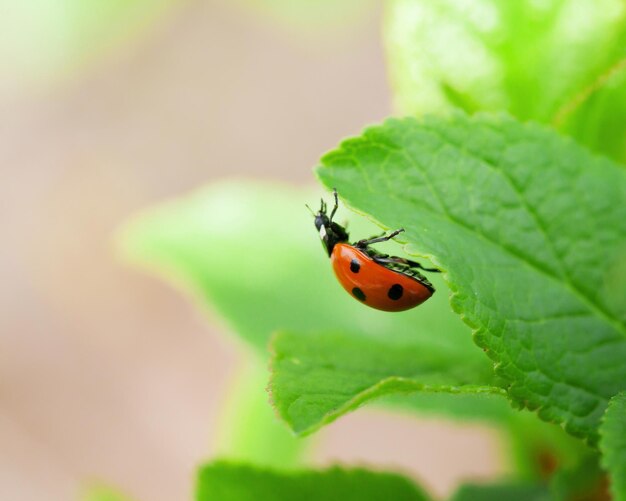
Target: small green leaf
(527, 226)
(222, 481)
(613, 445)
(500, 492)
(319, 377)
(556, 61)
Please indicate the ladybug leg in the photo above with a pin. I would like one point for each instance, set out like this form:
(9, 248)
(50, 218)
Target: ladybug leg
(415, 264)
(374, 237)
(408, 262)
(364, 243)
(336, 206)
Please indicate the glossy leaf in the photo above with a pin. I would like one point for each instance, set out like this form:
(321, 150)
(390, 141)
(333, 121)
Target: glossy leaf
(317, 378)
(527, 227)
(557, 61)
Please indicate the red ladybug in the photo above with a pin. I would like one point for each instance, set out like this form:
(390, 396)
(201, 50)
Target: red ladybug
(384, 282)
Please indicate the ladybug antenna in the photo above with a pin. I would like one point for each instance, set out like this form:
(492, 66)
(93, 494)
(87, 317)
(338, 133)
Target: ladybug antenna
(322, 206)
(310, 210)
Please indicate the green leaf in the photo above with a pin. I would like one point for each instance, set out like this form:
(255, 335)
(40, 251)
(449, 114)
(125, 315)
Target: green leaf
(613, 445)
(263, 440)
(317, 378)
(527, 227)
(222, 481)
(556, 61)
(499, 492)
(539, 449)
(582, 480)
(245, 250)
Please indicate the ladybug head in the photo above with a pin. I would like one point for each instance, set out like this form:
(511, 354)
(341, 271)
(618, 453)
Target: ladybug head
(330, 232)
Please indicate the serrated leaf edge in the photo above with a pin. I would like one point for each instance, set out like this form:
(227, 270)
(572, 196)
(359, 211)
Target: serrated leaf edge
(546, 412)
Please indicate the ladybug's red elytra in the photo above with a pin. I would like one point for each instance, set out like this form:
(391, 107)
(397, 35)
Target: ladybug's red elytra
(384, 282)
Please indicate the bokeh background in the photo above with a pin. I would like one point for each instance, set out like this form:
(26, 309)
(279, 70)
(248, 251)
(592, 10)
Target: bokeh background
(109, 375)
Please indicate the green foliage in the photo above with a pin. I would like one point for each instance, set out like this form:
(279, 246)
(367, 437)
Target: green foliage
(500, 492)
(244, 250)
(223, 481)
(582, 480)
(317, 378)
(613, 445)
(262, 440)
(557, 61)
(526, 226)
(260, 284)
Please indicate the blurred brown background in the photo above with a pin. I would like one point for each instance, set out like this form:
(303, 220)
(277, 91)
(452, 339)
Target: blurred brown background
(109, 374)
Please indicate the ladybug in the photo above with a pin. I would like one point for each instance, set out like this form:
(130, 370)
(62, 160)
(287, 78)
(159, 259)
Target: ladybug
(384, 282)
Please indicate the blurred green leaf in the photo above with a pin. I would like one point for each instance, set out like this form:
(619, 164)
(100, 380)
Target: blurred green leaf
(533, 448)
(542, 450)
(262, 440)
(222, 481)
(581, 480)
(525, 224)
(556, 61)
(613, 445)
(501, 492)
(42, 40)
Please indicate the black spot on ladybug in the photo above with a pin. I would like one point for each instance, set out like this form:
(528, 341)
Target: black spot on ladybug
(355, 266)
(395, 292)
(359, 294)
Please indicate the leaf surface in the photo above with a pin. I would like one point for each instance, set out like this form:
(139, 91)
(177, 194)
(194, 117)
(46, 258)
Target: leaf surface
(222, 481)
(528, 228)
(498, 492)
(556, 61)
(613, 445)
(319, 377)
